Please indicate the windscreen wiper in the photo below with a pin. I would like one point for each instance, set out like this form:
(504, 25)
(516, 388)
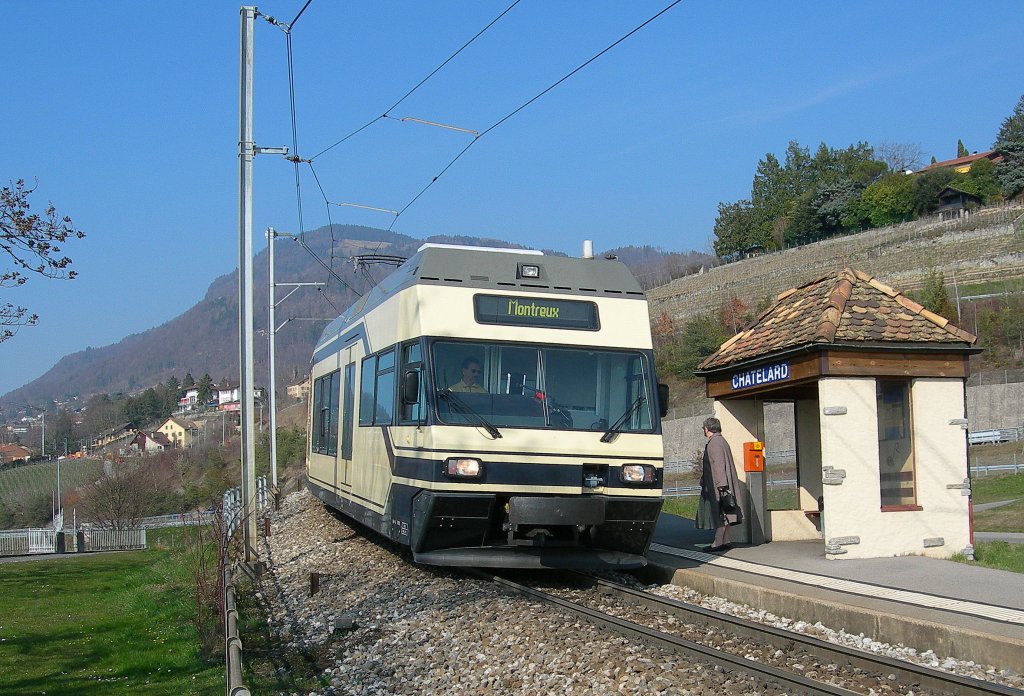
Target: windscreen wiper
(616, 428)
(460, 406)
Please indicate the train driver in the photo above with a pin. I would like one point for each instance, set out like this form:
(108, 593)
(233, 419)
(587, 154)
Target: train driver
(470, 381)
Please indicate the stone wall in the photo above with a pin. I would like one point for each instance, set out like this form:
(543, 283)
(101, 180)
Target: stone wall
(986, 246)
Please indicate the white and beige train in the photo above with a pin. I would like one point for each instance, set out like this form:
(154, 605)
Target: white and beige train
(494, 407)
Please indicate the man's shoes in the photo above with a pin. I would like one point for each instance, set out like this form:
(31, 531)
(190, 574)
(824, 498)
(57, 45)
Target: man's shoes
(719, 549)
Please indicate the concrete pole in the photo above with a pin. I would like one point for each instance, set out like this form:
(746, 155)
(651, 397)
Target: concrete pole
(272, 236)
(246, 153)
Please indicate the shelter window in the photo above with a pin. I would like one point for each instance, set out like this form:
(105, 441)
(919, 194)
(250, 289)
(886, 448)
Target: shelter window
(895, 444)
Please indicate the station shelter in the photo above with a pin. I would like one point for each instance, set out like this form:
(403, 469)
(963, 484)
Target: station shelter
(877, 385)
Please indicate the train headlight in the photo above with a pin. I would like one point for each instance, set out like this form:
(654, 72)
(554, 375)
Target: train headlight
(637, 473)
(529, 271)
(462, 467)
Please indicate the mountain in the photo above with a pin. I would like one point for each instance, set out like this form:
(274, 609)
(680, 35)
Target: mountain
(204, 339)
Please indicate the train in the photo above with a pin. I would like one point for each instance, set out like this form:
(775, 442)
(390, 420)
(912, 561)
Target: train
(494, 408)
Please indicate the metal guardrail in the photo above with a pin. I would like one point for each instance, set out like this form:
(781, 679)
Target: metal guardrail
(232, 643)
(993, 436)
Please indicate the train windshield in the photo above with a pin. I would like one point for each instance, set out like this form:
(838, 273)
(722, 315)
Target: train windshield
(516, 385)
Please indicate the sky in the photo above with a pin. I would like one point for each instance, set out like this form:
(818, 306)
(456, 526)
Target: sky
(124, 115)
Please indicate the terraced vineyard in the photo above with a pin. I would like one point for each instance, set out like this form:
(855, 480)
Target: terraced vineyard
(42, 478)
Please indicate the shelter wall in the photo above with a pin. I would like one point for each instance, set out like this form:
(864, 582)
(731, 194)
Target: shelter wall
(849, 444)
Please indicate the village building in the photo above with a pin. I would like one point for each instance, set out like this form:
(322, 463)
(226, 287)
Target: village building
(299, 390)
(150, 442)
(877, 388)
(180, 432)
(962, 165)
(13, 454)
(118, 434)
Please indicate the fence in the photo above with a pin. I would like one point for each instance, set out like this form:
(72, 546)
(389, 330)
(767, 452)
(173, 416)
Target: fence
(21, 542)
(97, 539)
(233, 507)
(24, 542)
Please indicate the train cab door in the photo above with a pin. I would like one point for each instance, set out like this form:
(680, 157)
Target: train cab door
(413, 407)
(343, 462)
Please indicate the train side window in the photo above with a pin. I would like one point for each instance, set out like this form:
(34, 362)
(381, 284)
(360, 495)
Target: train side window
(366, 382)
(412, 359)
(385, 397)
(325, 414)
(333, 384)
(346, 411)
(315, 419)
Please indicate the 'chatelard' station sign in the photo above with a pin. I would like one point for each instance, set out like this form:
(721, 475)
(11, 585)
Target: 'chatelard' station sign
(765, 374)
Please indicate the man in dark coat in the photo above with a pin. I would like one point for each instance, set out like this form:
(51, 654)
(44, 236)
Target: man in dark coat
(718, 475)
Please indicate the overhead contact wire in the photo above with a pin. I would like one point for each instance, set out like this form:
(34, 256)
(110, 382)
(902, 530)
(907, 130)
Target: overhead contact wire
(530, 101)
(420, 83)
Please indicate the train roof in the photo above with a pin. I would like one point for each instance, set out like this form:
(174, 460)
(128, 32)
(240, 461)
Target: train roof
(489, 268)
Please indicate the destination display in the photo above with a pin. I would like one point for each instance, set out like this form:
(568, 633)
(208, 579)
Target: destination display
(532, 311)
(761, 375)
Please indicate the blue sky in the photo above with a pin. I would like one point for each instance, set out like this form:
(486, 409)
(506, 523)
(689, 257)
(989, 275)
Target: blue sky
(126, 115)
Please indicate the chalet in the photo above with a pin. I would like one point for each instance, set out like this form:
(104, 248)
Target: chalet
(189, 400)
(299, 390)
(954, 203)
(150, 442)
(10, 454)
(120, 433)
(226, 392)
(962, 165)
(179, 431)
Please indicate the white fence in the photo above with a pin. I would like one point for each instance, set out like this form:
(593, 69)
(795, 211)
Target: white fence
(113, 539)
(21, 542)
(24, 542)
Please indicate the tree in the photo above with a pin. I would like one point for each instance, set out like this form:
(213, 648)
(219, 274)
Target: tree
(926, 187)
(31, 243)
(1012, 128)
(189, 381)
(888, 200)
(734, 227)
(1010, 172)
(172, 394)
(934, 297)
(981, 180)
(961, 149)
(205, 387)
(123, 495)
(61, 434)
(1010, 143)
(900, 156)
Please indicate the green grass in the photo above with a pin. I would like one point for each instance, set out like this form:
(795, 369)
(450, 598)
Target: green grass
(995, 488)
(269, 666)
(33, 479)
(1006, 518)
(996, 554)
(106, 624)
(684, 506)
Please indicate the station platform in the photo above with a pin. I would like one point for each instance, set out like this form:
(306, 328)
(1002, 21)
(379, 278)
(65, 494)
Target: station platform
(956, 610)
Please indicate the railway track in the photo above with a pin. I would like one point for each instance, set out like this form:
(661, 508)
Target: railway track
(896, 674)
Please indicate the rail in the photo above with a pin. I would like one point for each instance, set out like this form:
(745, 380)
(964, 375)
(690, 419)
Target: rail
(907, 672)
(721, 658)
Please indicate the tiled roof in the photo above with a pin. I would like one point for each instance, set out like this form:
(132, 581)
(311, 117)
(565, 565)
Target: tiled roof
(841, 308)
(960, 161)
